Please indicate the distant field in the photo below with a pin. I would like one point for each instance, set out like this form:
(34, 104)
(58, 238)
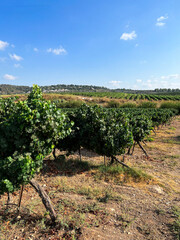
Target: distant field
(109, 99)
(129, 96)
(111, 95)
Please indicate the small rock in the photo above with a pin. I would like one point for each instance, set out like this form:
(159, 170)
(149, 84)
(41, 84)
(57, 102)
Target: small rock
(112, 209)
(157, 189)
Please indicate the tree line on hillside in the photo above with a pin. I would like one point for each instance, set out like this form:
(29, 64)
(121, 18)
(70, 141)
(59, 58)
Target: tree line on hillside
(7, 89)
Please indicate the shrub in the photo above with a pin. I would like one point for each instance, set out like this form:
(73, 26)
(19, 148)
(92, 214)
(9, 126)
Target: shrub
(175, 105)
(128, 105)
(147, 105)
(68, 104)
(113, 104)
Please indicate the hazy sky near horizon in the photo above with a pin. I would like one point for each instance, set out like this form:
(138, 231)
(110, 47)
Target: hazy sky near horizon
(111, 43)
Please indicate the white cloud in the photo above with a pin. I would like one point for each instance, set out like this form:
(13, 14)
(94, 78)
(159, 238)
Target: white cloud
(160, 21)
(115, 83)
(57, 51)
(9, 77)
(12, 45)
(166, 81)
(160, 24)
(128, 36)
(3, 45)
(170, 77)
(162, 18)
(138, 80)
(17, 65)
(15, 57)
(36, 50)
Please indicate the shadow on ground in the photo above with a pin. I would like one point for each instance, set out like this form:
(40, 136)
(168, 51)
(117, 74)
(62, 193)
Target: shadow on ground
(66, 167)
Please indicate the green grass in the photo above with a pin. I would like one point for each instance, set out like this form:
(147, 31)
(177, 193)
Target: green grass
(149, 139)
(176, 223)
(171, 141)
(121, 174)
(172, 128)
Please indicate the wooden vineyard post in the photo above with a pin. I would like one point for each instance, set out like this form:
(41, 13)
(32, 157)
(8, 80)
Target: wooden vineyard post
(20, 198)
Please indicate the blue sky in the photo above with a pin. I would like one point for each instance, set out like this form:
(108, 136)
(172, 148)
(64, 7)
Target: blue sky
(117, 43)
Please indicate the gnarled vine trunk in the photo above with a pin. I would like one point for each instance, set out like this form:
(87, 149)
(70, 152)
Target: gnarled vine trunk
(45, 199)
(143, 149)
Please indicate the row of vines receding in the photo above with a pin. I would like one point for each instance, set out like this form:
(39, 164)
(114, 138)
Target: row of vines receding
(32, 129)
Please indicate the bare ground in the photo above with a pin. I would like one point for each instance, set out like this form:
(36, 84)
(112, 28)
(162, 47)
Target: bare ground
(93, 207)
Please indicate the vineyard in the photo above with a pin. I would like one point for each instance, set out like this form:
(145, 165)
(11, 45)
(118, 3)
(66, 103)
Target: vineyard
(128, 96)
(35, 129)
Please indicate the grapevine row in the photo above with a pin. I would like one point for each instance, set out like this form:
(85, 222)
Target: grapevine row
(109, 132)
(129, 96)
(30, 130)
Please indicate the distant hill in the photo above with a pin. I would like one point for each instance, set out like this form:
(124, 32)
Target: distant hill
(13, 89)
(6, 89)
